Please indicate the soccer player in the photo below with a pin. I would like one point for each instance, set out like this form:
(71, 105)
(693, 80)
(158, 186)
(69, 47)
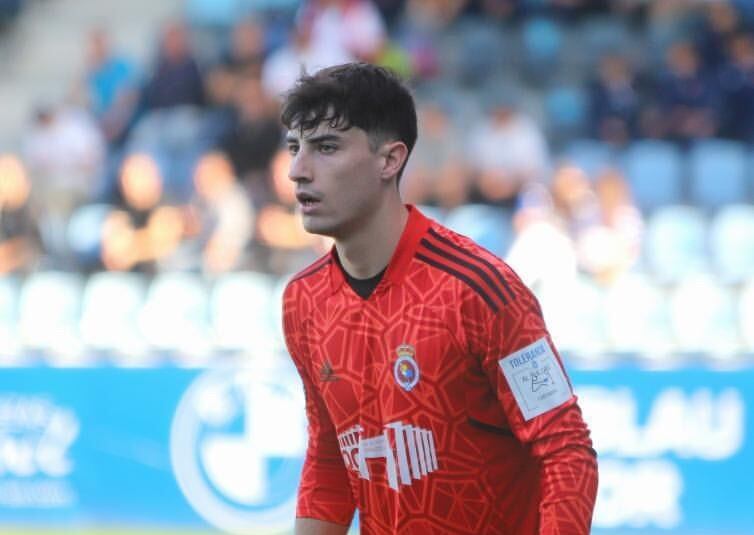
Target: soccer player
(437, 403)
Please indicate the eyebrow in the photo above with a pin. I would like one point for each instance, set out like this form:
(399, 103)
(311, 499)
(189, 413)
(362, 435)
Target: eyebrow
(314, 139)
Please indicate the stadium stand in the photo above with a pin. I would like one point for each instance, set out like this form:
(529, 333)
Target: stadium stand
(652, 199)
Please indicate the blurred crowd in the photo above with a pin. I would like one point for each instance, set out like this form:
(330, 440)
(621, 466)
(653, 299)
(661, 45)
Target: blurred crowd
(548, 128)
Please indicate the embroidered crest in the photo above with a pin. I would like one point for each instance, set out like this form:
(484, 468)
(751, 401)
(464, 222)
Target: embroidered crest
(406, 370)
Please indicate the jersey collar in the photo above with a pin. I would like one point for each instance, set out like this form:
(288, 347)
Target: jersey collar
(416, 226)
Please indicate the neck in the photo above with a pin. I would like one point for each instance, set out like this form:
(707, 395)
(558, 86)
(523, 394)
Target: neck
(370, 247)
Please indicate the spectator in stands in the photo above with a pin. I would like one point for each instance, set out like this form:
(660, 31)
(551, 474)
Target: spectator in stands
(253, 138)
(64, 152)
(175, 128)
(542, 252)
(574, 200)
(220, 218)
(614, 101)
(176, 79)
(499, 10)
(9, 10)
(19, 238)
(721, 22)
(507, 150)
(420, 32)
(110, 86)
(437, 173)
(345, 28)
(283, 67)
(141, 232)
(243, 59)
(737, 84)
(688, 95)
(611, 245)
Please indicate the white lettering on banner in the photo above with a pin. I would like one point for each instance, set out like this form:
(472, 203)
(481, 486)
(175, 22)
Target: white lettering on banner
(35, 436)
(46, 494)
(699, 424)
(409, 456)
(638, 494)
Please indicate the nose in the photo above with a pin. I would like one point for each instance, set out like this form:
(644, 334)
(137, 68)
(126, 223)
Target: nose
(299, 170)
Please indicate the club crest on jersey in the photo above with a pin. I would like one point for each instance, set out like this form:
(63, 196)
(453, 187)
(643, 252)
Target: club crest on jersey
(406, 370)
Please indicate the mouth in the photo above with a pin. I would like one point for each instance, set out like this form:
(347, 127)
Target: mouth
(307, 201)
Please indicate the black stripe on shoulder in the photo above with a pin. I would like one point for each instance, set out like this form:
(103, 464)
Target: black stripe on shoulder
(448, 269)
(484, 261)
(468, 265)
(311, 270)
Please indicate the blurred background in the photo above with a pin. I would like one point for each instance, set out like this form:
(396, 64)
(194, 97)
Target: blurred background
(604, 148)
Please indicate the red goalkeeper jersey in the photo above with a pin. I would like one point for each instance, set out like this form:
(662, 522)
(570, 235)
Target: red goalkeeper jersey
(438, 404)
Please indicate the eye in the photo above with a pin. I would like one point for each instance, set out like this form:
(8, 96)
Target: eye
(292, 149)
(327, 148)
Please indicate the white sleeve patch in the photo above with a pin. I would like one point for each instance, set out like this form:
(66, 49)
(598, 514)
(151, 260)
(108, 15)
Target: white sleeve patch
(536, 379)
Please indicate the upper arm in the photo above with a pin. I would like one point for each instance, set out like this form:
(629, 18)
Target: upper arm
(524, 368)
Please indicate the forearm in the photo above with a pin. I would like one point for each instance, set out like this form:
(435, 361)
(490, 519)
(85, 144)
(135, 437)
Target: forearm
(568, 490)
(312, 526)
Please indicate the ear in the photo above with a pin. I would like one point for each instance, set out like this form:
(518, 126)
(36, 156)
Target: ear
(394, 155)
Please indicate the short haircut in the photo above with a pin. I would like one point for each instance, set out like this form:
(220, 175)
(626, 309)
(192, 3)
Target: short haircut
(354, 94)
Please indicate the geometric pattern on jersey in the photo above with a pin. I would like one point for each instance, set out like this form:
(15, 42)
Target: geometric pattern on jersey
(452, 454)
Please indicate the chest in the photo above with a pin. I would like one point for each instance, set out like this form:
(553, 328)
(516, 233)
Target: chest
(376, 362)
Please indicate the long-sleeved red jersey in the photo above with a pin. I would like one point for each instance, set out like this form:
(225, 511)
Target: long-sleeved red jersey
(439, 403)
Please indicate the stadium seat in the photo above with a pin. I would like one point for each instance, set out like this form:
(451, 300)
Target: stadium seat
(213, 13)
(49, 310)
(9, 341)
(746, 314)
(604, 34)
(638, 318)
(590, 155)
(654, 170)
(567, 108)
(732, 242)
(574, 312)
(474, 40)
(240, 310)
(110, 309)
(542, 41)
(676, 243)
(84, 234)
(174, 318)
(703, 317)
(718, 171)
(489, 226)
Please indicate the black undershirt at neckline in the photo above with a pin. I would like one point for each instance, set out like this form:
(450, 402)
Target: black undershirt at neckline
(362, 287)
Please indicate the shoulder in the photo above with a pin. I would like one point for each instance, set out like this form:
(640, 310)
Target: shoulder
(475, 268)
(304, 287)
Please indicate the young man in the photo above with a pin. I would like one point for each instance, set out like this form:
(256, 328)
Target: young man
(437, 403)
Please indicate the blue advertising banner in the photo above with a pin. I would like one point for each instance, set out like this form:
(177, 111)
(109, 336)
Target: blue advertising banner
(676, 449)
(222, 448)
(173, 447)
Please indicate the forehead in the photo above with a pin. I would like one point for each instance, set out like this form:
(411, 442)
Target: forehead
(323, 129)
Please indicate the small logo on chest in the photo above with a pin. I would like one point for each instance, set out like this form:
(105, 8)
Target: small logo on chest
(326, 373)
(405, 369)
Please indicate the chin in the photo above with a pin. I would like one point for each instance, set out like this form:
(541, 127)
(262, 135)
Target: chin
(313, 225)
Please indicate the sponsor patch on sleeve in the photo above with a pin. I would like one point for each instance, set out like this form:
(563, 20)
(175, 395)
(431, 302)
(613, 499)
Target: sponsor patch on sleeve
(536, 379)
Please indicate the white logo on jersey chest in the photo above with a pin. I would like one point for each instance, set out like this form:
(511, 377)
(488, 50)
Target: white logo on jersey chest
(409, 452)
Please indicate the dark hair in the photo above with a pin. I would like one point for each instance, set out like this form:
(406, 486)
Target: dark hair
(354, 94)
